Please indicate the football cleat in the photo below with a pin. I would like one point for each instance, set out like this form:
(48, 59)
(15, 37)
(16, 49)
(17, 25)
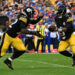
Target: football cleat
(9, 64)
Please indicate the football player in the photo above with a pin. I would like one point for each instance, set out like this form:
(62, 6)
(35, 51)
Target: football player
(10, 36)
(66, 31)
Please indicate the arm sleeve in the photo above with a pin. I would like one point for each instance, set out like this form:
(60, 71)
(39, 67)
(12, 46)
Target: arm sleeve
(34, 21)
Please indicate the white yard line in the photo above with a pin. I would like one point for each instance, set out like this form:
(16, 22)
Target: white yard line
(42, 53)
(46, 63)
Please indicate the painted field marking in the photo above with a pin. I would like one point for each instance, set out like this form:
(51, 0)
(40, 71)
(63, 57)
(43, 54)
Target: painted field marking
(46, 63)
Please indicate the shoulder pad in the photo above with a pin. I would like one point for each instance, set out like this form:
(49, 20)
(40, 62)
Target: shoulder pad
(69, 20)
(23, 19)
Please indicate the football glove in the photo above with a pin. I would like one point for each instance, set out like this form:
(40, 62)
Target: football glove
(37, 33)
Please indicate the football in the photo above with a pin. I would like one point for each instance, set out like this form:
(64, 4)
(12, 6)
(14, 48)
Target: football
(52, 28)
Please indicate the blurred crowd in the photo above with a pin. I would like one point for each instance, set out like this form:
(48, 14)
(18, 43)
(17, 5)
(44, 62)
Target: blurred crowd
(46, 7)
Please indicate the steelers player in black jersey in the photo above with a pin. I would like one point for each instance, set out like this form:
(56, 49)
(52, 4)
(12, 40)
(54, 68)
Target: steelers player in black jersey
(66, 31)
(10, 36)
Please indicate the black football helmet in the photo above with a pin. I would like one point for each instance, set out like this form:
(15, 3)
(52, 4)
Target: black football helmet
(61, 10)
(28, 11)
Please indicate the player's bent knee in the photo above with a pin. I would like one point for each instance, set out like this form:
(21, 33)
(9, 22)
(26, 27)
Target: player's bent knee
(2, 54)
(60, 50)
(66, 53)
(22, 49)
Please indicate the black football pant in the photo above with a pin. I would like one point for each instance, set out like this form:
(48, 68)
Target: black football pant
(38, 43)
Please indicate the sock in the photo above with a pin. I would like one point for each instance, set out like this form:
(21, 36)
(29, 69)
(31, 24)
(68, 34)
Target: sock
(73, 56)
(10, 59)
(66, 53)
(17, 54)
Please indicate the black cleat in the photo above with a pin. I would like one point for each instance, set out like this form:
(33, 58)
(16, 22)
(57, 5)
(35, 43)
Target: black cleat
(9, 64)
(73, 64)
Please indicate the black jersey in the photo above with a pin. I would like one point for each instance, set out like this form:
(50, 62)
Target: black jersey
(21, 22)
(65, 21)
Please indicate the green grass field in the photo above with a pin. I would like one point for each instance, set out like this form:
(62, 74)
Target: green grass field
(38, 64)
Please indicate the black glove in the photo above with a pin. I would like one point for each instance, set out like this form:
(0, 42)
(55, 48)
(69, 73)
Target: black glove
(37, 33)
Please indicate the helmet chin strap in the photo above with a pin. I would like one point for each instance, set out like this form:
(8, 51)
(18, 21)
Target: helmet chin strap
(61, 14)
(24, 13)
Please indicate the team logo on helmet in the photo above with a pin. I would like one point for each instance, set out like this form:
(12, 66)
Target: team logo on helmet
(29, 12)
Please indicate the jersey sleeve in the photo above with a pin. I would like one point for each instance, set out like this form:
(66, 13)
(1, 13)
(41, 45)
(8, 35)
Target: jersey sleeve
(23, 19)
(23, 22)
(69, 23)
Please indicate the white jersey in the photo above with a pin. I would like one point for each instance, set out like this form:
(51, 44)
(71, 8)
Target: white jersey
(53, 34)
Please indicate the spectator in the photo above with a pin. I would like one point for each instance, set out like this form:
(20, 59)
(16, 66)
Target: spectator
(46, 38)
(40, 28)
(73, 19)
(29, 42)
(53, 36)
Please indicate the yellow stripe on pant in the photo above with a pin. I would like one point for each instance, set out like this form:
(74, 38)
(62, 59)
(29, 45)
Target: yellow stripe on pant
(15, 42)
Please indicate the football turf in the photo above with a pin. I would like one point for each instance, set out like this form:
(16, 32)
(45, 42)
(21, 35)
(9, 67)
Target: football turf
(39, 64)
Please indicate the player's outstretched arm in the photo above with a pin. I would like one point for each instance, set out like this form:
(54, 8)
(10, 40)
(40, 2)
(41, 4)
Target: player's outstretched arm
(37, 33)
(34, 21)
